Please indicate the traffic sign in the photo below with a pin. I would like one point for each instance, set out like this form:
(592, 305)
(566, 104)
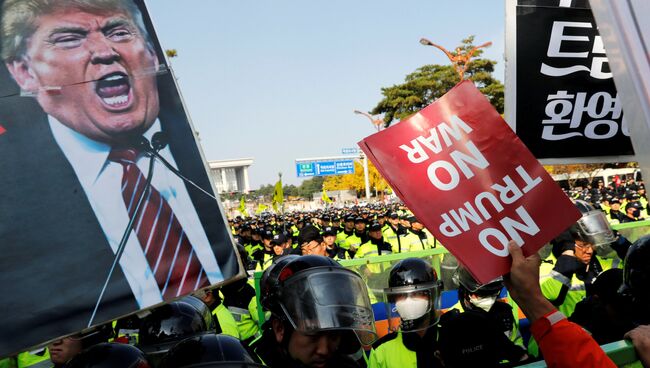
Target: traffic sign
(324, 168)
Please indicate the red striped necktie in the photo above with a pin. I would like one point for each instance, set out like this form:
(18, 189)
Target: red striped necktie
(170, 255)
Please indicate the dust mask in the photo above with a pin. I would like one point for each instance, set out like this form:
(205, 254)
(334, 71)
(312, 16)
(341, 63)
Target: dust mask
(412, 308)
(484, 303)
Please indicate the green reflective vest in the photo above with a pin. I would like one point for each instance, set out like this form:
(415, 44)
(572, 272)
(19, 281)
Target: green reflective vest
(40, 359)
(246, 319)
(393, 239)
(340, 239)
(266, 262)
(352, 242)
(226, 321)
(392, 353)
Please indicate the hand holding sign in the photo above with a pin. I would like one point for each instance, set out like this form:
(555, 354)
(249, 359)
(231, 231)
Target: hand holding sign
(462, 171)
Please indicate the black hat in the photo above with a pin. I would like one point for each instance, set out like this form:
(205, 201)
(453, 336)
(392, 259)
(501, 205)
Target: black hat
(633, 205)
(278, 239)
(266, 234)
(359, 219)
(374, 226)
(615, 201)
(412, 219)
(309, 233)
(393, 215)
(349, 218)
(329, 231)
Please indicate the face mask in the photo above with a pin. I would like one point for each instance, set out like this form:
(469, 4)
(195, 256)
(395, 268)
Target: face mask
(636, 213)
(484, 303)
(412, 308)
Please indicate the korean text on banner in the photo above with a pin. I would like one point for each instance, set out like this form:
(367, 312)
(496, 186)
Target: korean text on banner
(468, 178)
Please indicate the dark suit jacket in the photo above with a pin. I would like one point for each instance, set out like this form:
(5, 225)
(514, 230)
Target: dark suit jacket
(54, 257)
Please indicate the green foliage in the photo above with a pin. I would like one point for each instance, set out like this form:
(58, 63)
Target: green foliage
(430, 82)
(305, 190)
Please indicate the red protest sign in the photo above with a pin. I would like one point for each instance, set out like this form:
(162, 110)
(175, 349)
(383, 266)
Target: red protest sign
(468, 178)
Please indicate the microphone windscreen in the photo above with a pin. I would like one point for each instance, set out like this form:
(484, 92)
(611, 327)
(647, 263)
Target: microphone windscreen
(159, 141)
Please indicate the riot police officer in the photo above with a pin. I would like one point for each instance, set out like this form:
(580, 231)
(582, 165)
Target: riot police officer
(110, 355)
(320, 314)
(209, 350)
(414, 292)
(171, 323)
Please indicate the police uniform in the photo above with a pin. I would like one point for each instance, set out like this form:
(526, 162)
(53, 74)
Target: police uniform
(394, 237)
(406, 350)
(239, 299)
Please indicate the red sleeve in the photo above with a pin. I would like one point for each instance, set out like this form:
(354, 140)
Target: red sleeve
(565, 344)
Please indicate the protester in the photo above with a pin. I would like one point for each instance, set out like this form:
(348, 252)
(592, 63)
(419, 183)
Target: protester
(562, 343)
(640, 338)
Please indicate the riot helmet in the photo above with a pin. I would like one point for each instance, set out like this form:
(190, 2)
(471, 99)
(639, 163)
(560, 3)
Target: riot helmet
(170, 323)
(474, 295)
(269, 283)
(110, 355)
(592, 227)
(636, 272)
(316, 294)
(414, 293)
(209, 350)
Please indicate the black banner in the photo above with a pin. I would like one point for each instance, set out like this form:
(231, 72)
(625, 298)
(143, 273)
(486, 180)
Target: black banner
(566, 102)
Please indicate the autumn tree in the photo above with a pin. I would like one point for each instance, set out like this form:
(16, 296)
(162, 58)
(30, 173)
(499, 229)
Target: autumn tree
(588, 171)
(430, 82)
(356, 181)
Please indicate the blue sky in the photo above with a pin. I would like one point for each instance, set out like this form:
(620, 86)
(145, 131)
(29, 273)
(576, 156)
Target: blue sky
(278, 80)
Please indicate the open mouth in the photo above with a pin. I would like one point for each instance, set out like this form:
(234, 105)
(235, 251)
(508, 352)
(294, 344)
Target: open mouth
(114, 90)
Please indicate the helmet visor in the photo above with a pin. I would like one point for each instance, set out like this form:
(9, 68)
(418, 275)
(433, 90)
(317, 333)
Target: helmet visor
(462, 277)
(324, 298)
(595, 227)
(413, 307)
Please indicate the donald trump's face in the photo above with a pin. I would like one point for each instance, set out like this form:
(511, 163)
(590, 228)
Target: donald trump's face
(95, 73)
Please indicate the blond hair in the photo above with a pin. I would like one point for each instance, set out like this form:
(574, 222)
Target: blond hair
(20, 19)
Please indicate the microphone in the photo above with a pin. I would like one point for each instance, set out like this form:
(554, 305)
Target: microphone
(159, 141)
(142, 144)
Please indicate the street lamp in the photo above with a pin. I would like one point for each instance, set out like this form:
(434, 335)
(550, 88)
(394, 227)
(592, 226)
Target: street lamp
(378, 123)
(460, 60)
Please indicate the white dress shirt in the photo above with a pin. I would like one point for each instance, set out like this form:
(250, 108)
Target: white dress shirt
(101, 180)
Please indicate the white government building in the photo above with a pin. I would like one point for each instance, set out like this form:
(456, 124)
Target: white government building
(231, 175)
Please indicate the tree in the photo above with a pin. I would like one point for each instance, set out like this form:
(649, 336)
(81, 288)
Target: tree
(356, 181)
(430, 82)
(305, 190)
(575, 173)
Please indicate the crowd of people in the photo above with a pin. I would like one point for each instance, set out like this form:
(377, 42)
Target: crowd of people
(317, 313)
(622, 200)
